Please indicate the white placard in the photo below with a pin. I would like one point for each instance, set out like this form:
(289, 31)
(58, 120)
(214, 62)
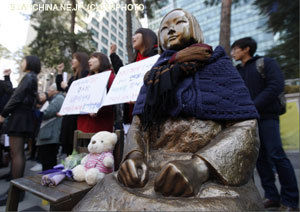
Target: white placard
(65, 77)
(86, 95)
(128, 82)
(6, 140)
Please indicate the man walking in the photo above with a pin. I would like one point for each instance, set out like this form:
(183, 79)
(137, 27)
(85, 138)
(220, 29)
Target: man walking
(265, 82)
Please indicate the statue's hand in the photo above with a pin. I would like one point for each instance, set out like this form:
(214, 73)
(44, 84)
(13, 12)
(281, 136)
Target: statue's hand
(181, 177)
(134, 172)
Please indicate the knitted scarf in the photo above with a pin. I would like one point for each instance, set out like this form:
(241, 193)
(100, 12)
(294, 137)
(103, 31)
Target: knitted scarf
(165, 75)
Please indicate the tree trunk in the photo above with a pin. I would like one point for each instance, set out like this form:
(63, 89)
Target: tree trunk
(225, 25)
(73, 16)
(129, 33)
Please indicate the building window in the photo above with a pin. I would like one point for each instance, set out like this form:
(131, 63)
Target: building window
(120, 52)
(120, 44)
(113, 29)
(104, 40)
(94, 32)
(95, 22)
(113, 37)
(95, 44)
(121, 35)
(120, 27)
(107, 14)
(85, 13)
(105, 21)
(114, 12)
(113, 20)
(104, 30)
(104, 50)
(121, 19)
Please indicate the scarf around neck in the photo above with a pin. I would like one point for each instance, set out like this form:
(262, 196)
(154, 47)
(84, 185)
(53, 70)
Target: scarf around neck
(171, 68)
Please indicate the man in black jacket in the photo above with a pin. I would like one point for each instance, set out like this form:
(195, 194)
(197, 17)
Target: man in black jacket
(6, 89)
(265, 85)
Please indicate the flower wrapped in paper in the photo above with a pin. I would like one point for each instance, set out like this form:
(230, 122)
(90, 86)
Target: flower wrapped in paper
(53, 177)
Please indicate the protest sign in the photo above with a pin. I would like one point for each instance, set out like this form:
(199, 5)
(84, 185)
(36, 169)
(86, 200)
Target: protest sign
(65, 77)
(86, 95)
(128, 82)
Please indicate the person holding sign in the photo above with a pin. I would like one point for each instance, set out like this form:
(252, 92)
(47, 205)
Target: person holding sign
(80, 69)
(69, 123)
(144, 42)
(103, 120)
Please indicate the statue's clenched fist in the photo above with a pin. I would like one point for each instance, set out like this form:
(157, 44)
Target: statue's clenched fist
(134, 172)
(181, 177)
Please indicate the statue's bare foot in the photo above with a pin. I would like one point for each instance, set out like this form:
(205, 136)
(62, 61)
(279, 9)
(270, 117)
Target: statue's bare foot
(181, 177)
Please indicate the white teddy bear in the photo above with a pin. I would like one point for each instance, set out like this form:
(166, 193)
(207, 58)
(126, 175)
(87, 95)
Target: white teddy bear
(99, 161)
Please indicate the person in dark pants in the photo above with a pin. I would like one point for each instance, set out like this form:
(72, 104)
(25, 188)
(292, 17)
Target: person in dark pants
(48, 137)
(20, 111)
(265, 86)
(69, 123)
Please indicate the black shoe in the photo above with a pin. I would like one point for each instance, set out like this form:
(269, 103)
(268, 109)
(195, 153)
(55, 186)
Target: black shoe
(271, 203)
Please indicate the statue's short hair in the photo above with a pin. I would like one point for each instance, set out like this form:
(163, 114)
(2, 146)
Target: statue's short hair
(195, 29)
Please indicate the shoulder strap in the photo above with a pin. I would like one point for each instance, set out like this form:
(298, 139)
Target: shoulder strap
(260, 67)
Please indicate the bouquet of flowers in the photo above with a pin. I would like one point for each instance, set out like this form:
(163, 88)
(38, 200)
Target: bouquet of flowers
(53, 177)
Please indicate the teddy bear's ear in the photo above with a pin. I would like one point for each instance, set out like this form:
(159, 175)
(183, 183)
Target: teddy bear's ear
(114, 137)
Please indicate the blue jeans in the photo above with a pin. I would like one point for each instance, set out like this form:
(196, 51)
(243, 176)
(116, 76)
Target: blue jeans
(271, 154)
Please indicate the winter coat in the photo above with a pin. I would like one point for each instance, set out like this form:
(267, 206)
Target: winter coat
(6, 90)
(264, 92)
(20, 108)
(50, 127)
(116, 62)
(25, 95)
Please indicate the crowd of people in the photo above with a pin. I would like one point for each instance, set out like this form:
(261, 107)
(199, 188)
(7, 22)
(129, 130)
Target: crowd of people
(27, 114)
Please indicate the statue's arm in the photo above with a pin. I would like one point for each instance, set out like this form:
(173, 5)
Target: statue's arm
(134, 140)
(133, 171)
(232, 154)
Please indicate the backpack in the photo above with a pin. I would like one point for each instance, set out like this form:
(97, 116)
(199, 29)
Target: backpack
(281, 98)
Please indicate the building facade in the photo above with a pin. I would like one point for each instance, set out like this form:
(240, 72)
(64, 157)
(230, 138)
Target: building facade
(245, 21)
(107, 26)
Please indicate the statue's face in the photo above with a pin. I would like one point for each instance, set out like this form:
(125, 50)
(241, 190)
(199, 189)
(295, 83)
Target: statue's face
(175, 31)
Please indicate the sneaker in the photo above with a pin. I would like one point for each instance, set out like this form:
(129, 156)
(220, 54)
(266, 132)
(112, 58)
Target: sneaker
(37, 167)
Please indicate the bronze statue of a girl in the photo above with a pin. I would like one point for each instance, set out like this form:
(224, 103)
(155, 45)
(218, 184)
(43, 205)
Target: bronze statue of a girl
(192, 144)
